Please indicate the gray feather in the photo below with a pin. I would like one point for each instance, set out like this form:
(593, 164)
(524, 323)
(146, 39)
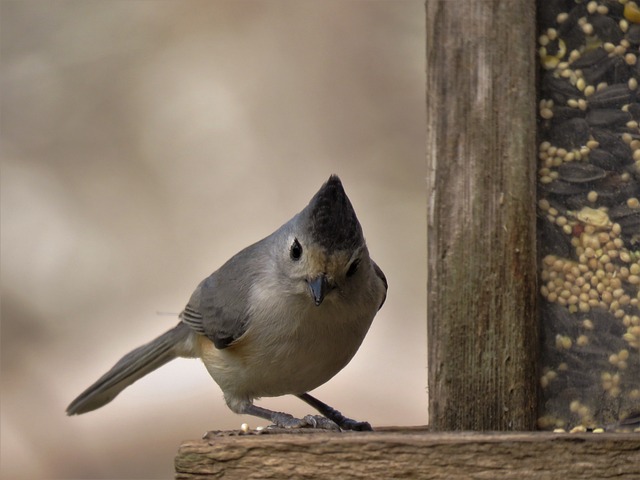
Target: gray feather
(220, 310)
(133, 366)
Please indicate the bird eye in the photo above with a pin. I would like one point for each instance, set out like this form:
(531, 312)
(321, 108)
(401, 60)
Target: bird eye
(296, 250)
(353, 268)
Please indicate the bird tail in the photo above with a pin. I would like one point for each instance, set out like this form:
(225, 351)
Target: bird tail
(133, 366)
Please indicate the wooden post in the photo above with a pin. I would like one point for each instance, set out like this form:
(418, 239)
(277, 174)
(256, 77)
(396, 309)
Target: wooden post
(482, 324)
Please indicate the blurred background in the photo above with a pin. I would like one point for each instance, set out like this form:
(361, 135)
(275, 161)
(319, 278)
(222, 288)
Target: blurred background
(143, 144)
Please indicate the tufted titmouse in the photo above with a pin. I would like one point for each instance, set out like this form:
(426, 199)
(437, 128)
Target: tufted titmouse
(282, 316)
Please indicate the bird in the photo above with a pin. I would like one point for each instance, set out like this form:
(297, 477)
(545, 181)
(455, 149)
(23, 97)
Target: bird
(281, 317)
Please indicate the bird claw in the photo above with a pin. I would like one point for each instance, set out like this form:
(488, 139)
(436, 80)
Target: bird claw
(320, 422)
(284, 420)
(356, 426)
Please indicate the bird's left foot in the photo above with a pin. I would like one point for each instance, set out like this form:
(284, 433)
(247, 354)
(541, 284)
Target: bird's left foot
(349, 424)
(284, 420)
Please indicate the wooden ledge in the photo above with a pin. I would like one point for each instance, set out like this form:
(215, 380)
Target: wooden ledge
(411, 453)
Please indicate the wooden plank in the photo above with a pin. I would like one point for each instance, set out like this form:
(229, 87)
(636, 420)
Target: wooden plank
(482, 326)
(412, 453)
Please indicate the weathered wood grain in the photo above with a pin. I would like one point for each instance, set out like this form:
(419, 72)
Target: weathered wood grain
(412, 454)
(482, 327)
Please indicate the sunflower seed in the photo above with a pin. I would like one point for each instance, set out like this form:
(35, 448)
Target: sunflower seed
(607, 118)
(603, 159)
(570, 134)
(611, 96)
(613, 144)
(580, 172)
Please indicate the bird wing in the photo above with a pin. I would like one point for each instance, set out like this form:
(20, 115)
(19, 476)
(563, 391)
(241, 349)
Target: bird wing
(218, 308)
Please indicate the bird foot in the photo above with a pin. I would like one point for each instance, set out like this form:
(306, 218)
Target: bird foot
(284, 420)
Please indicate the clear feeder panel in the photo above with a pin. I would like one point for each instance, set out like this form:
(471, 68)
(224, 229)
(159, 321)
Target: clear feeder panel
(589, 214)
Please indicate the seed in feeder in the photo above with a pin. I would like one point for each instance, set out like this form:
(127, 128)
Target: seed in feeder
(574, 55)
(544, 381)
(581, 84)
(582, 341)
(546, 113)
(544, 204)
(593, 217)
(632, 12)
(603, 85)
(615, 228)
(630, 58)
(632, 83)
(574, 406)
(633, 202)
(624, 25)
(619, 50)
(587, 28)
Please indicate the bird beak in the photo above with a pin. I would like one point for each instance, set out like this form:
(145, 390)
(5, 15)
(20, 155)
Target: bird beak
(319, 287)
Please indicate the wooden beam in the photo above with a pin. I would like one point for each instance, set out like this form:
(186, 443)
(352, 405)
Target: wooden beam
(481, 130)
(411, 453)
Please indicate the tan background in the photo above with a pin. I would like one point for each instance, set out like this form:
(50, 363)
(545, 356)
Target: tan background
(144, 143)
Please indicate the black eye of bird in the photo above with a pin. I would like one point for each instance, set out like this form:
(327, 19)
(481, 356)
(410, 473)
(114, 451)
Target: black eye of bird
(296, 250)
(353, 268)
